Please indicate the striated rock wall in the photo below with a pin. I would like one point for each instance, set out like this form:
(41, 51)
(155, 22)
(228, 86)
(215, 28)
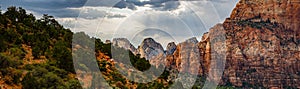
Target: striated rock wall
(285, 12)
(259, 46)
(263, 44)
(187, 58)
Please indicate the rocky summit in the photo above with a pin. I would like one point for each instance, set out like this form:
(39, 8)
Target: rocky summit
(149, 49)
(257, 46)
(192, 40)
(124, 43)
(171, 47)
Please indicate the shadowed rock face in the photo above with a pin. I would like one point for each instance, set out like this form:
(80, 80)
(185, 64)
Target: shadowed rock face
(171, 47)
(192, 40)
(124, 43)
(149, 48)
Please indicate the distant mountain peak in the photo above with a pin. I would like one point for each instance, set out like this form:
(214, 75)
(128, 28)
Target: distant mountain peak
(171, 47)
(124, 43)
(150, 48)
(192, 40)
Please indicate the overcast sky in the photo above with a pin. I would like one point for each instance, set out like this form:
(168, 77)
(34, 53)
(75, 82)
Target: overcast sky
(164, 20)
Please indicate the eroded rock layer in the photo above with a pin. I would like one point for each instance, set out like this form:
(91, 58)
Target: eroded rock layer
(262, 39)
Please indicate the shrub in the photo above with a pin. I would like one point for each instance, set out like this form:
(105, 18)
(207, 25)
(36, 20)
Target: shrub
(8, 61)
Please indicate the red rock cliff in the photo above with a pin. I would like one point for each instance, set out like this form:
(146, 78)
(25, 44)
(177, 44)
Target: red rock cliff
(263, 44)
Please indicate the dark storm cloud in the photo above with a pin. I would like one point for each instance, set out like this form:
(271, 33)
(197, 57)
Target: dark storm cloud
(62, 13)
(46, 4)
(164, 4)
(124, 4)
(116, 16)
(60, 4)
(151, 2)
(170, 5)
(57, 4)
(59, 8)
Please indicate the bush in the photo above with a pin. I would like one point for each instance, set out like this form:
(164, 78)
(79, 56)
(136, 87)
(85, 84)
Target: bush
(41, 78)
(8, 61)
(17, 52)
(63, 56)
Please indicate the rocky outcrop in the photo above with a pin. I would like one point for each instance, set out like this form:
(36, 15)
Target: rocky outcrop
(107, 41)
(171, 47)
(186, 58)
(213, 52)
(263, 44)
(149, 49)
(258, 46)
(285, 12)
(192, 40)
(124, 43)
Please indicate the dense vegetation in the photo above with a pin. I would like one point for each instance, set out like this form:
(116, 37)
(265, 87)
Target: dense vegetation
(37, 54)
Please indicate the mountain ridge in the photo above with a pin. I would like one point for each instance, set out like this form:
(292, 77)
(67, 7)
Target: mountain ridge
(258, 46)
(260, 40)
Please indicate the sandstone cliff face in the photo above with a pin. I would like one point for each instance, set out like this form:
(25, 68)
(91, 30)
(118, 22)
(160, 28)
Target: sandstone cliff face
(196, 57)
(149, 49)
(187, 57)
(124, 43)
(213, 52)
(263, 44)
(285, 12)
(259, 46)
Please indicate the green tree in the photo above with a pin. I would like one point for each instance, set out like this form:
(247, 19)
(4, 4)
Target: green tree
(63, 56)
(17, 52)
(11, 13)
(8, 61)
(41, 78)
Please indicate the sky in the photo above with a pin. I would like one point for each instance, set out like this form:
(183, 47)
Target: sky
(164, 20)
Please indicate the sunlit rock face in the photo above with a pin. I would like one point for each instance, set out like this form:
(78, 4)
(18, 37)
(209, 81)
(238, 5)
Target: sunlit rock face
(186, 58)
(258, 45)
(263, 40)
(285, 12)
(124, 43)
